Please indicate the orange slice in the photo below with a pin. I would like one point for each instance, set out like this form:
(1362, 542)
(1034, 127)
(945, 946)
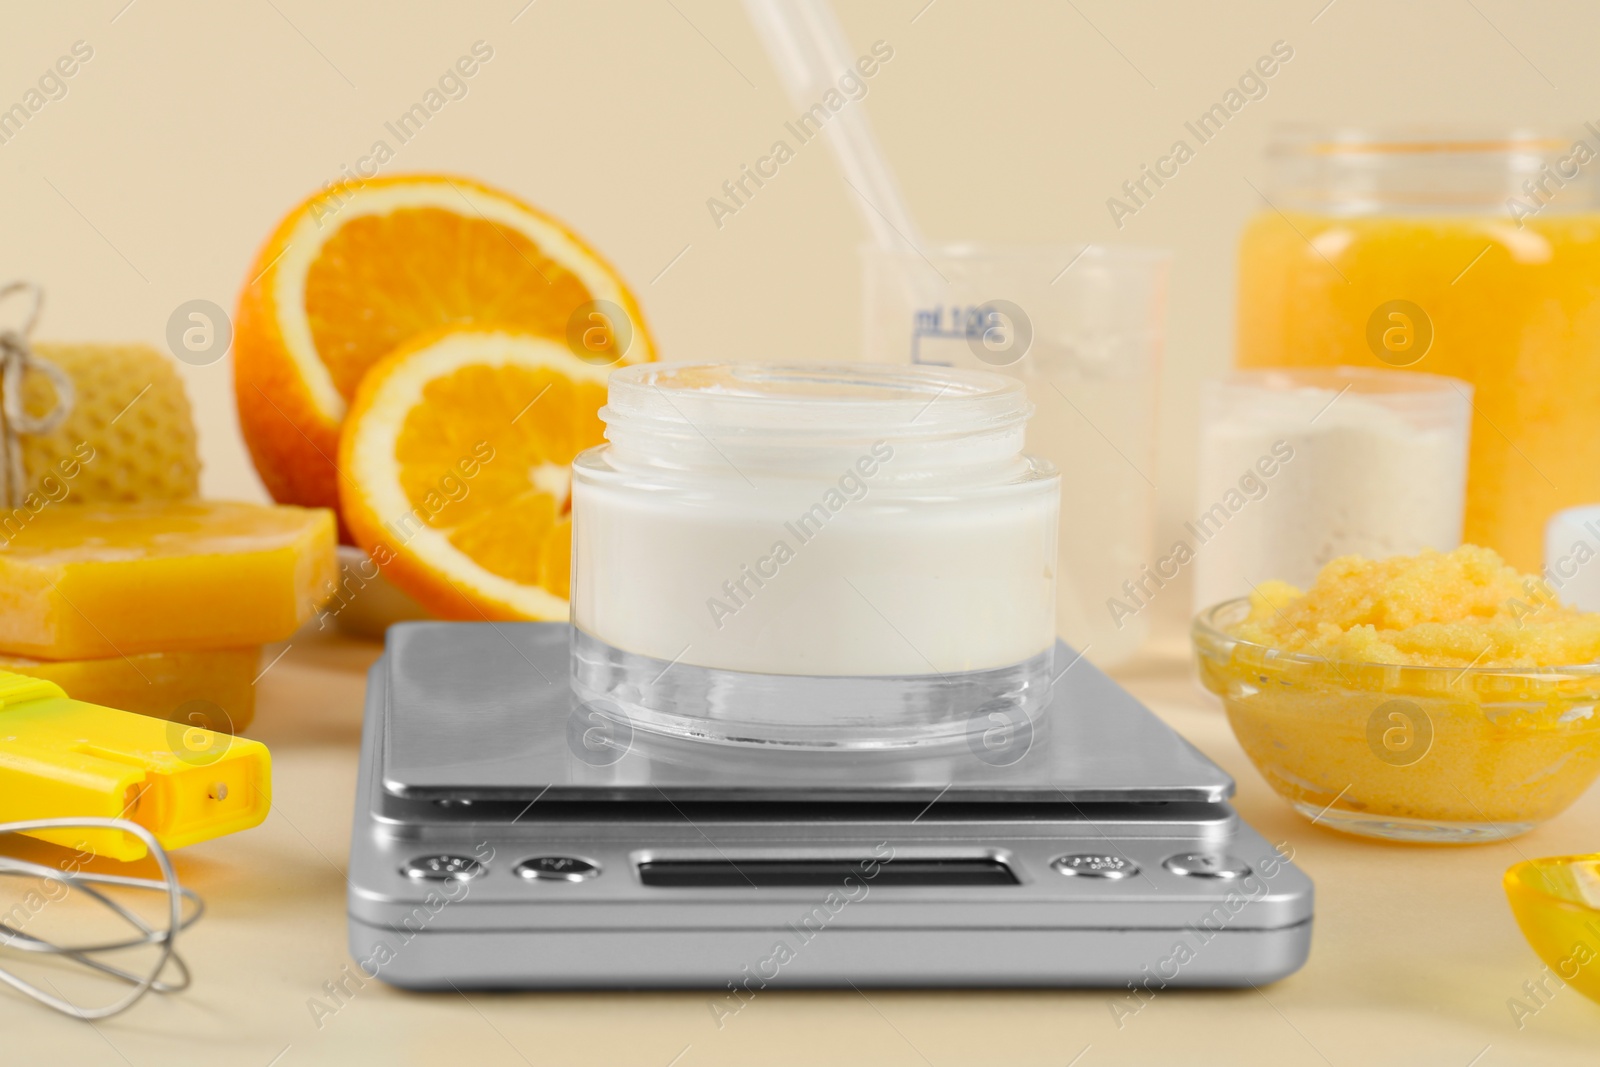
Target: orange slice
(456, 470)
(356, 271)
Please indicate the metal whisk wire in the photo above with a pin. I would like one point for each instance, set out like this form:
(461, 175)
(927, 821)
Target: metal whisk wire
(85, 882)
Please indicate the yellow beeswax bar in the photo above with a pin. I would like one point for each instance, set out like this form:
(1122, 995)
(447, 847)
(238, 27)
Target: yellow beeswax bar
(212, 688)
(64, 758)
(90, 581)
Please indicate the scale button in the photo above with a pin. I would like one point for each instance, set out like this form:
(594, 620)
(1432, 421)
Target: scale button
(557, 869)
(1095, 865)
(1207, 865)
(442, 868)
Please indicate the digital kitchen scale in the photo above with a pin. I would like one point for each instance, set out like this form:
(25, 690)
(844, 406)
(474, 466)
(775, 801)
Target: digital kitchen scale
(507, 836)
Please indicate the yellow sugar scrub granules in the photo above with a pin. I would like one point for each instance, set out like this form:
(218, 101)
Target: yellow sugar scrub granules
(1441, 697)
(1436, 609)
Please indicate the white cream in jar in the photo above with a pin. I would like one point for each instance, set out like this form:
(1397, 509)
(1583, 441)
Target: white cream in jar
(844, 522)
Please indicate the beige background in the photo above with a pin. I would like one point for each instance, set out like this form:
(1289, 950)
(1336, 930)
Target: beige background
(196, 125)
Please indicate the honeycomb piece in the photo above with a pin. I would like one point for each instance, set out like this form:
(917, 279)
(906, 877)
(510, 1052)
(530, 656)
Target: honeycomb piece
(130, 435)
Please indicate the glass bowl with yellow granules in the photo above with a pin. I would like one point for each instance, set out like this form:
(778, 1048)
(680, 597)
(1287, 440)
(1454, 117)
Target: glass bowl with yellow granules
(1439, 698)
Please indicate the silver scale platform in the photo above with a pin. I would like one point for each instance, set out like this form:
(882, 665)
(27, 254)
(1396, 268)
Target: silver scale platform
(507, 837)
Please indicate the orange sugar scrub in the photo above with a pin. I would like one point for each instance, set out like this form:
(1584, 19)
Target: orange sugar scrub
(1436, 609)
(1439, 697)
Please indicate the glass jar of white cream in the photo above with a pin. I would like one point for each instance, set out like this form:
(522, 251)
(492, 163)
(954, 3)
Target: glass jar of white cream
(855, 556)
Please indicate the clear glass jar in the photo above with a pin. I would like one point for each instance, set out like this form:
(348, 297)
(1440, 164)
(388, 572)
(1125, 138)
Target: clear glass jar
(1298, 467)
(829, 557)
(1469, 254)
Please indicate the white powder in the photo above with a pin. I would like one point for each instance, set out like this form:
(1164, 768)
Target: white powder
(1353, 473)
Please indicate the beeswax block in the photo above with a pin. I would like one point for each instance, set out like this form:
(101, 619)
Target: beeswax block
(210, 689)
(90, 581)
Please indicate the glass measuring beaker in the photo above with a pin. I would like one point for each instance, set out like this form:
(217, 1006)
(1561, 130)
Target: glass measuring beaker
(1083, 327)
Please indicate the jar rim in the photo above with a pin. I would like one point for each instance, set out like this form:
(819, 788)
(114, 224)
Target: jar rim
(1362, 381)
(844, 399)
(1310, 140)
(1510, 172)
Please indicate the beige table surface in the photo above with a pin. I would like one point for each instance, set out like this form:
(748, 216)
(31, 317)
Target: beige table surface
(1414, 956)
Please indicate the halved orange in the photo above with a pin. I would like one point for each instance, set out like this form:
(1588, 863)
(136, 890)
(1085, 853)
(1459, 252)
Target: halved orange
(355, 271)
(456, 469)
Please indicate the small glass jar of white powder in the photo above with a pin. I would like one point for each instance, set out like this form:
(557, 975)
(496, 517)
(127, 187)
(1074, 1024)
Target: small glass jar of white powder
(829, 557)
(1298, 467)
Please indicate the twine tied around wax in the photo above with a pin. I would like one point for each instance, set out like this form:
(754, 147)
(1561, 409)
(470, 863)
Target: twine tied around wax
(16, 360)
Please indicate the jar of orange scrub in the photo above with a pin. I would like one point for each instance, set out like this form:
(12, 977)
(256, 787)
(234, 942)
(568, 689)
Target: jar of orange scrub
(822, 557)
(1467, 254)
